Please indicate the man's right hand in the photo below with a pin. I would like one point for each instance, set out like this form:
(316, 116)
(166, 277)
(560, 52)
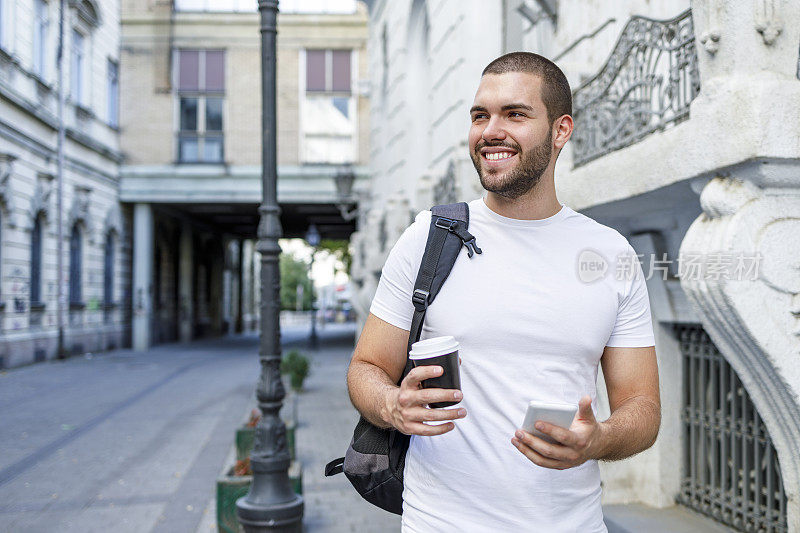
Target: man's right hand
(406, 404)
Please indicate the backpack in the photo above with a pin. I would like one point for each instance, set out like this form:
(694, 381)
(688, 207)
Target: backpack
(375, 460)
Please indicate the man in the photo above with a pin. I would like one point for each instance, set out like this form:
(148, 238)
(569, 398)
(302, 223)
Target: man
(531, 325)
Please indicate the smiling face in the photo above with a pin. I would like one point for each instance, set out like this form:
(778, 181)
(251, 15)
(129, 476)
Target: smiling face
(510, 140)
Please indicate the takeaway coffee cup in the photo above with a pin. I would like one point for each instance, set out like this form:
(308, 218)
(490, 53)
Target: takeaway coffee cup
(440, 351)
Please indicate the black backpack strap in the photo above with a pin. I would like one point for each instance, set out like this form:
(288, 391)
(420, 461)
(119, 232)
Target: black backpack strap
(447, 234)
(334, 467)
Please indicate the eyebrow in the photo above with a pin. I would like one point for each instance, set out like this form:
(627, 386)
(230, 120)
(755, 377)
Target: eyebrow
(507, 107)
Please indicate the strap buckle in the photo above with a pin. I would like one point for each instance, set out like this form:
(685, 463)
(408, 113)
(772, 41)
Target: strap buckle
(420, 297)
(446, 223)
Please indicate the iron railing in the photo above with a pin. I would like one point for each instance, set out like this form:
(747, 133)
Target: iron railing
(647, 84)
(731, 471)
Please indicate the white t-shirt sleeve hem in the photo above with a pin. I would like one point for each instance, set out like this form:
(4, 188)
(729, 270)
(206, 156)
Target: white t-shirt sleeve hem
(627, 341)
(388, 315)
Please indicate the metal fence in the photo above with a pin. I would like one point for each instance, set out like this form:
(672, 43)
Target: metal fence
(731, 470)
(647, 84)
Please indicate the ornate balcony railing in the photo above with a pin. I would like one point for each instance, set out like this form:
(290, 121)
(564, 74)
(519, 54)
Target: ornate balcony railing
(646, 85)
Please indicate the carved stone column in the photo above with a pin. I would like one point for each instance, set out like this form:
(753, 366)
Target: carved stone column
(750, 103)
(751, 308)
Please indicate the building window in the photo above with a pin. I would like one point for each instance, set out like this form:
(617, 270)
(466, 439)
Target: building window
(328, 71)
(328, 112)
(201, 90)
(77, 67)
(75, 266)
(6, 25)
(108, 271)
(40, 30)
(36, 262)
(730, 466)
(113, 93)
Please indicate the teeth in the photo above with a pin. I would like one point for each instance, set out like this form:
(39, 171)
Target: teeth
(494, 156)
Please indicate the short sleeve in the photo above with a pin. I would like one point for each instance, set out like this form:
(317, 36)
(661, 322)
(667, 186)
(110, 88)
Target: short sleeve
(392, 301)
(634, 325)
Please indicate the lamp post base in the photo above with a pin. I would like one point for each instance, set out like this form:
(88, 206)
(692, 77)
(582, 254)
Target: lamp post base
(281, 518)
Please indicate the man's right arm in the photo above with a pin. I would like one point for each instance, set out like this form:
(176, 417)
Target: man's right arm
(375, 368)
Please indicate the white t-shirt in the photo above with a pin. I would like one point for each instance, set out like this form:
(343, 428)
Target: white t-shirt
(531, 326)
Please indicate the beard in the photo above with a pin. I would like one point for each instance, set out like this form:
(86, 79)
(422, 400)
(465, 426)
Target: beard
(520, 179)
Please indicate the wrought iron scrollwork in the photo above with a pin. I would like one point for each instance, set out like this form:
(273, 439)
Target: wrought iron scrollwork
(646, 85)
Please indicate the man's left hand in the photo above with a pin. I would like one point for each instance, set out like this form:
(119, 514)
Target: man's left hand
(573, 446)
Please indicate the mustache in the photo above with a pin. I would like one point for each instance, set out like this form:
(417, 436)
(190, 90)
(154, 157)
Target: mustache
(493, 144)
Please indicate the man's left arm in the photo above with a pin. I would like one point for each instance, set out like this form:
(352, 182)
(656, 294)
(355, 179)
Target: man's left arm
(631, 376)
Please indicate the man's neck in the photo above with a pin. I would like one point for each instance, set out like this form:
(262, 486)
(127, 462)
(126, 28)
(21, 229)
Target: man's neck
(539, 203)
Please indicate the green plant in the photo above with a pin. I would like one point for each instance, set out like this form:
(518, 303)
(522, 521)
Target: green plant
(294, 273)
(297, 366)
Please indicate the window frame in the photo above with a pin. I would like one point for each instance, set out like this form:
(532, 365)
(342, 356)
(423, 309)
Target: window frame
(352, 104)
(35, 272)
(109, 258)
(75, 295)
(77, 68)
(202, 94)
(7, 30)
(328, 76)
(112, 88)
(41, 34)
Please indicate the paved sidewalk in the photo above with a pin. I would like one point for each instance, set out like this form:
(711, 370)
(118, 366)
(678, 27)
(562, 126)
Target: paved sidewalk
(134, 441)
(325, 426)
(122, 441)
(326, 423)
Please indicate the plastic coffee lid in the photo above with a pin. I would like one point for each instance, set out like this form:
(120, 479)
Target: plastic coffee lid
(434, 346)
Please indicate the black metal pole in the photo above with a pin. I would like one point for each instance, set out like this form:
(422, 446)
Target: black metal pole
(271, 504)
(313, 340)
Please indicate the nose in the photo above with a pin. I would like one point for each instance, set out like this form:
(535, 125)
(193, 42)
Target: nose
(494, 130)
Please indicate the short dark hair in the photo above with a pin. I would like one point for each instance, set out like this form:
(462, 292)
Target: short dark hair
(556, 94)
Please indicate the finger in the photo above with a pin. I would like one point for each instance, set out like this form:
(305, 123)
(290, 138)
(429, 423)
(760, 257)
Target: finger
(536, 457)
(420, 373)
(419, 414)
(585, 409)
(546, 449)
(417, 428)
(428, 396)
(562, 435)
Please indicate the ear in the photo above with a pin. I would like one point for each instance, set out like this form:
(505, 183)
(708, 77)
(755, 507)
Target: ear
(562, 131)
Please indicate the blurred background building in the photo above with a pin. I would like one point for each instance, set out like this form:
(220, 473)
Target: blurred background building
(193, 154)
(163, 162)
(686, 128)
(96, 235)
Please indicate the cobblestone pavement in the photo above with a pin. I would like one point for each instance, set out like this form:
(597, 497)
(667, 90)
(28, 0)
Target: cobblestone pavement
(133, 441)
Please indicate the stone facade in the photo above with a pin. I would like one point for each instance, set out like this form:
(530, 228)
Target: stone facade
(703, 161)
(29, 170)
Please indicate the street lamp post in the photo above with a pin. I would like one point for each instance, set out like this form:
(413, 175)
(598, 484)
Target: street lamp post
(270, 504)
(344, 189)
(313, 238)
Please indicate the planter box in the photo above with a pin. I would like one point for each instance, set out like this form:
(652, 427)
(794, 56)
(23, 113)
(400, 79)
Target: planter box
(296, 477)
(230, 488)
(245, 436)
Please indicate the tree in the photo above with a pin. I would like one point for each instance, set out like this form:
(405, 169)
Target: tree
(294, 272)
(340, 249)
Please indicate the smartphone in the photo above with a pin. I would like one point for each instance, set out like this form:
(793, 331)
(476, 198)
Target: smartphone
(559, 414)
